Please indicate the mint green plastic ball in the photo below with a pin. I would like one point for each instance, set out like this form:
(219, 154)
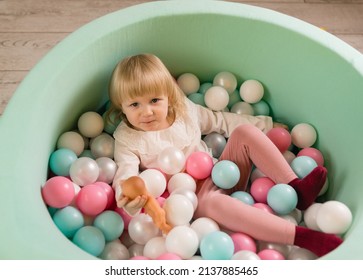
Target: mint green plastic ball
(217, 245)
(110, 223)
(68, 220)
(90, 239)
(282, 198)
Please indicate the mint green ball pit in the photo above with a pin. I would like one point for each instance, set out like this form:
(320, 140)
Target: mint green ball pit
(309, 76)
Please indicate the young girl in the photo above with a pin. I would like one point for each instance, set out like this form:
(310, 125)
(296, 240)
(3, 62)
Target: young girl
(156, 114)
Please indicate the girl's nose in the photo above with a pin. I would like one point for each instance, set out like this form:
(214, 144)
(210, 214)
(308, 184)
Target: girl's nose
(147, 110)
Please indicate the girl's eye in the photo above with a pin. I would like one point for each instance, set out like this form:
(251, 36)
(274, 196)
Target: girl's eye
(133, 104)
(154, 100)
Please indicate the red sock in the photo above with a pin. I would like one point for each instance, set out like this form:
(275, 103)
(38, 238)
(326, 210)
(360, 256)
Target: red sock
(308, 188)
(319, 243)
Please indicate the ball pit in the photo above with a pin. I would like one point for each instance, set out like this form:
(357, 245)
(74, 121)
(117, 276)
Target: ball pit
(285, 43)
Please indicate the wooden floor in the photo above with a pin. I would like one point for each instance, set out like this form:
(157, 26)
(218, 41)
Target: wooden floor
(30, 28)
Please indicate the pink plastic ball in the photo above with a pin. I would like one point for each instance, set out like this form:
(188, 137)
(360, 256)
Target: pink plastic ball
(315, 154)
(92, 200)
(243, 241)
(168, 256)
(260, 188)
(199, 165)
(109, 192)
(58, 192)
(125, 216)
(270, 254)
(280, 137)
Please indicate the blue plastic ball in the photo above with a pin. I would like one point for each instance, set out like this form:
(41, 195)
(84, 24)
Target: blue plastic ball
(303, 165)
(261, 108)
(234, 97)
(204, 87)
(68, 220)
(217, 245)
(60, 161)
(282, 198)
(110, 223)
(225, 174)
(90, 239)
(244, 197)
(197, 98)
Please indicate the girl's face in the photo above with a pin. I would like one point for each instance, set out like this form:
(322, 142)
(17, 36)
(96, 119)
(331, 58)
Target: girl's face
(148, 112)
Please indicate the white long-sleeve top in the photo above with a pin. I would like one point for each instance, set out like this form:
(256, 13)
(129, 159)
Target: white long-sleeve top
(138, 150)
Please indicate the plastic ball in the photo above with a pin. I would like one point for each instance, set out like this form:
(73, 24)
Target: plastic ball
(155, 181)
(125, 217)
(251, 91)
(270, 254)
(136, 250)
(181, 180)
(188, 194)
(84, 171)
(188, 82)
(142, 228)
(256, 173)
(71, 140)
(334, 217)
(314, 153)
(107, 169)
(179, 210)
(182, 241)
(111, 122)
(243, 196)
(90, 124)
(284, 249)
(289, 156)
(171, 160)
(243, 241)
(110, 223)
(203, 226)
(204, 87)
(168, 256)
(280, 137)
(263, 207)
(90, 239)
(109, 192)
(310, 216)
(197, 98)
(216, 142)
(58, 192)
(199, 165)
(234, 97)
(303, 135)
(155, 247)
(60, 161)
(282, 198)
(303, 165)
(92, 200)
(68, 220)
(115, 250)
(297, 253)
(242, 108)
(103, 146)
(216, 98)
(227, 80)
(225, 174)
(261, 108)
(217, 245)
(260, 188)
(245, 255)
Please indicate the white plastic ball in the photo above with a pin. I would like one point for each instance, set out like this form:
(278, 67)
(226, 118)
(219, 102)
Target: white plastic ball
(303, 135)
(251, 91)
(142, 228)
(226, 80)
(242, 108)
(310, 215)
(181, 180)
(334, 217)
(115, 250)
(179, 210)
(90, 124)
(245, 255)
(216, 98)
(155, 181)
(84, 171)
(136, 250)
(189, 83)
(204, 225)
(155, 247)
(171, 160)
(182, 241)
(297, 253)
(107, 169)
(103, 146)
(71, 140)
(188, 194)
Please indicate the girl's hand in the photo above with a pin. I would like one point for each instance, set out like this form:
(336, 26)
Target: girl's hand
(132, 206)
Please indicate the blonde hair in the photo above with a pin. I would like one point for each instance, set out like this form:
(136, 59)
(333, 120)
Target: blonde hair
(144, 74)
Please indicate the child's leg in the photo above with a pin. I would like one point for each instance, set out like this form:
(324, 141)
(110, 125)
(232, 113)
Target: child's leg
(237, 216)
(248, 145)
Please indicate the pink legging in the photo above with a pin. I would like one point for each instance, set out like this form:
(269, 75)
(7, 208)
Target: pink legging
(246, 146)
